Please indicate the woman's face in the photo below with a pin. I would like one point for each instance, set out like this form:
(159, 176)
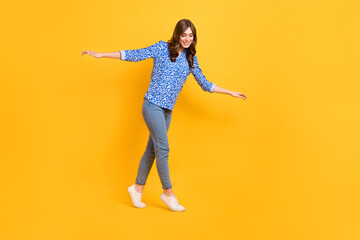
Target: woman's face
(186, 38)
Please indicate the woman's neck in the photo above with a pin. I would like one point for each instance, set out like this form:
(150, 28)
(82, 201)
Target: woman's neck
(181, 50)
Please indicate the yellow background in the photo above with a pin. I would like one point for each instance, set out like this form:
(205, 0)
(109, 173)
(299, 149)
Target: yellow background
(282, 165)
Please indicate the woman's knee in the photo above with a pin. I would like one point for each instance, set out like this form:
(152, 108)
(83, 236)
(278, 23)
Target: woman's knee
(162, 151)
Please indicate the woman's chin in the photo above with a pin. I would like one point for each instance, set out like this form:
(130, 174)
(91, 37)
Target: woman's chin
(185, 46)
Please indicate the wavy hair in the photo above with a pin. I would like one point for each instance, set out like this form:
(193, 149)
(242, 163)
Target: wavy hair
(174, 42)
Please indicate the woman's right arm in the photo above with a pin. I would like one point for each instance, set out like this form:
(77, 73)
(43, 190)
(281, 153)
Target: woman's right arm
(132, 55)
(100, 55)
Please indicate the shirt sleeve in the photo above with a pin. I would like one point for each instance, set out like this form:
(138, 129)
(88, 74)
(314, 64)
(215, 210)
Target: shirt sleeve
(200, 78)
(135, 55)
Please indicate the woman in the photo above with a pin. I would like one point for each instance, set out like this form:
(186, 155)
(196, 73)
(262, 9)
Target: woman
(173, 62)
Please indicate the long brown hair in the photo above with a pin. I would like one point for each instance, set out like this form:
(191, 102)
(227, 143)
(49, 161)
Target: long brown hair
(174, 44)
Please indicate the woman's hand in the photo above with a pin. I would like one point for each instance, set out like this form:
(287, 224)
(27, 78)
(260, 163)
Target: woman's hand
(238, 94)
(232, 93)
(92, 53)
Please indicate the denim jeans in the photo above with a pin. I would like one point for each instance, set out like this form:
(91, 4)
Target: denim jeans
(157, 120)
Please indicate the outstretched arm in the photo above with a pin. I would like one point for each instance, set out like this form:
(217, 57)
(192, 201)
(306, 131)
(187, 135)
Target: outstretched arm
(100, 55)
(132, 55)
(232, 93)
(209, 86)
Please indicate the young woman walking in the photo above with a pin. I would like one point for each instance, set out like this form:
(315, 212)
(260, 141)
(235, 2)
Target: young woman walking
(173, 62)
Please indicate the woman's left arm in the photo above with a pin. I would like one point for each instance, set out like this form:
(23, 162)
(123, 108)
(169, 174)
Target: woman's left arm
(209, 86)
(232, 93)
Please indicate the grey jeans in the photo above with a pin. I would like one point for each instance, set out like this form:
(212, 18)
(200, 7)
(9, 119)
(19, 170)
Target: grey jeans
(157, 120)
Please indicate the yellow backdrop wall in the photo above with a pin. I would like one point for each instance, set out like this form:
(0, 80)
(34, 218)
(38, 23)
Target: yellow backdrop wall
(282, 165)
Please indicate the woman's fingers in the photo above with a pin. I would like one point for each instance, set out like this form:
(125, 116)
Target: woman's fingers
(239, 94)
(91, 53)
(86, 52)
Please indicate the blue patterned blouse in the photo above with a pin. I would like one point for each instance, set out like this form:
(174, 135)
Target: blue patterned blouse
(167, 78)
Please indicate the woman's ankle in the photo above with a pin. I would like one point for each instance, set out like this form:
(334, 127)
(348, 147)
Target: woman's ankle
(169, 192)
(139, 188)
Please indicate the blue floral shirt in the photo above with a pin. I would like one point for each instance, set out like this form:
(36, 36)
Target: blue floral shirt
(167, 77)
